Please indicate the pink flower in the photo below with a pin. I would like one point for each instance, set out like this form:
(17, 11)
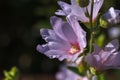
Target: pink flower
(107, 58)
(112, 16)
(79, 12)
(65, 41)
(66, 74)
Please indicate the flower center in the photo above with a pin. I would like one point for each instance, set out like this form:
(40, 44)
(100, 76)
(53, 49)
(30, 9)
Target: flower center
(74, 48)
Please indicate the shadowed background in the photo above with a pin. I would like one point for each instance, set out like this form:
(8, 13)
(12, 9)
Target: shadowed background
(20, 22)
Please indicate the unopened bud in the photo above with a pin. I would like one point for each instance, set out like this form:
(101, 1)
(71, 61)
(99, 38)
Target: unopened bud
(103, 22)
(93, 71)
(83, 3)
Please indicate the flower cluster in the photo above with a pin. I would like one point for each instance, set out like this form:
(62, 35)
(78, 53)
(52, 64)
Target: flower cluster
(67, 40)
(107, 58)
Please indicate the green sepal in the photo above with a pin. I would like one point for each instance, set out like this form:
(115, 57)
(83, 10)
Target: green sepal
(92, 70)
(103, 23)
(12, 74)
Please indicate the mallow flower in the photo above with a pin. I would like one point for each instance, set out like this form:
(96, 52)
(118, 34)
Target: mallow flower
(107, 58)
(66, 74)
(65, 41)
(112, 16)
(82, 13)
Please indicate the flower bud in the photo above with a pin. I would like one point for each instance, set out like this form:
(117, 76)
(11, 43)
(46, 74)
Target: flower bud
(103, 22)
(83, 3)
(93, 71)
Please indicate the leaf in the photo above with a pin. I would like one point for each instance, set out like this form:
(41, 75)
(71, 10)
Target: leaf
(12, 74)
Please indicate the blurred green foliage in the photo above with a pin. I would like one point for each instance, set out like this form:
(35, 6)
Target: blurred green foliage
(13, 74)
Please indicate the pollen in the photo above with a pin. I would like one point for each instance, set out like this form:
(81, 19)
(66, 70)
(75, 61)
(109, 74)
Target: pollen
(74, 49)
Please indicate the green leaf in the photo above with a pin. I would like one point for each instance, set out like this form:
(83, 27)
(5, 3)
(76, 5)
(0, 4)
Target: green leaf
(12, 74)
(101, 77)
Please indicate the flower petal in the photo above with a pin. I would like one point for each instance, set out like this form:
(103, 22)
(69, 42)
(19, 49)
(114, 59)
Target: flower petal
(81, 34)
(97, 49)
(91, 60)
(69, 33)
(112, 16)
(112, 46)
(57, 23)
(108, 58)
(48, 34)
(64, 30)
(96, 7)
(78, 11)
(116, 61)
(56, 54)
(65, 7)
(42, 48)
(60, 12)
(59, 46)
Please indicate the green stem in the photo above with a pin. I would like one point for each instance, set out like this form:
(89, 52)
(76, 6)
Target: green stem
(91, 41)
(91, 27)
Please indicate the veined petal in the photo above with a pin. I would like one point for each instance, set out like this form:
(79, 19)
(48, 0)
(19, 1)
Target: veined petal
(57, 23)
(81, 34)
(75, 56)
(112, 46)
(91, 60)
(94, 61)
(116, 60)
(96, 7)
(69, 33)
(42, 48)
(97, 49)
(106, 58)
(73, 2)
(73, 9)
(50, 35)
(109, 50)
(112, 16)
(78, 11)
(60, 12)
(59, 46)
(64, 30)
(111, 59)
(65, 7)
(105, 55)
(63, 42)
(61, 55)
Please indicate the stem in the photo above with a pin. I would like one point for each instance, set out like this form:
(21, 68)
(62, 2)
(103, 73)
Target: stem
(91, 41)
(91, 27)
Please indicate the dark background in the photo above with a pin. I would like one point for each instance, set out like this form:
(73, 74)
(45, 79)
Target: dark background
(20, 22)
